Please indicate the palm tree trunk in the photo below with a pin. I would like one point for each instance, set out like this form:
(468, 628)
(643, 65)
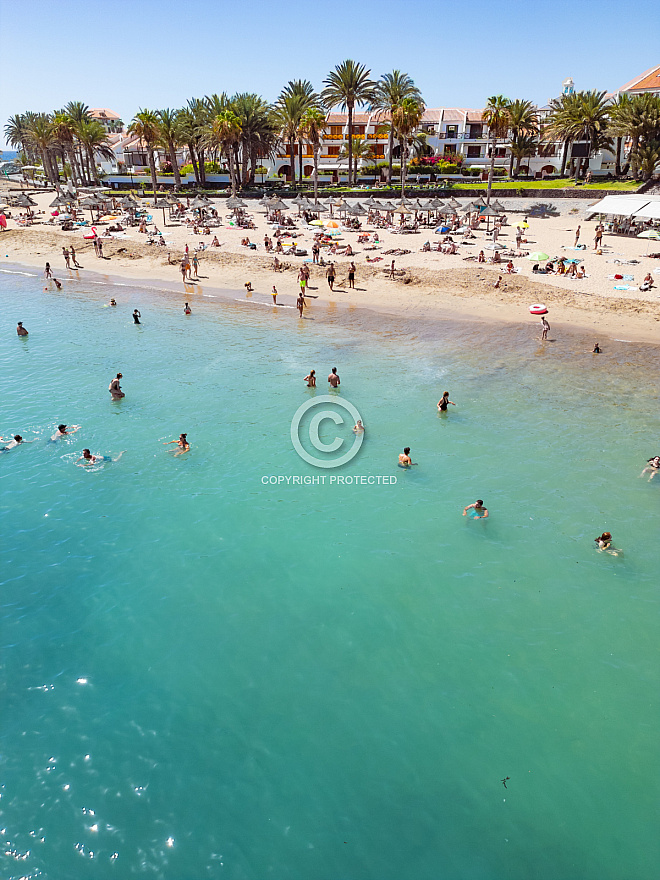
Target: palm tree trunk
(202, 166)
(92, 164)
(390, 146)
(316, 174)
(152, 168)
(350, 141)
(491, 171)
(292, 158)
(617, 163)
(511, 166)
(193, 159)
(232, 173)
(174, 164)
(237, 164)
(300, 158)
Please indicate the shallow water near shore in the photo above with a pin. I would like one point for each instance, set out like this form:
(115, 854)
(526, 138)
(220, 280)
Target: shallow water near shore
(208, 676)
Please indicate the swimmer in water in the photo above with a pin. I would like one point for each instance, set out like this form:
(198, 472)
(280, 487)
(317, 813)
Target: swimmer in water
(63, 430)
(186, 309)
(359, 427)
(311, 379)
(57, 283)
(444, 402)
(480, 510)
(115, 389)
(136, 316)
(182, 443)
(15, 441)
(405, 460)
(87, 458)
(653, 467)
(112, 302)
(20, 329)
(596, 349)
(604, 542)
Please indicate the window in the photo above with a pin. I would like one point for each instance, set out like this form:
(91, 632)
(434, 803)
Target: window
(452, 131)
(336, 130)
(450, 149)
(359, 129)
(379, 151)
(474, 152)
(500, 152)
(333, 151)
(476, 131)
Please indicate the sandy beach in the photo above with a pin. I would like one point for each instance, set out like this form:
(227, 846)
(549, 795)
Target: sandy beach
(425, 284)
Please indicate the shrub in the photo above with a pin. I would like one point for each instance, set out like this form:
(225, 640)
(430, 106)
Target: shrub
(210, 167)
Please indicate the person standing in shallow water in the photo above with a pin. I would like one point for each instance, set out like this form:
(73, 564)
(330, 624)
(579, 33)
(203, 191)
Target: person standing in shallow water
(481, 512)
(546, 327)
(115, 389)
(333, 378)
(136, 316)
(20, 329)
(444, 402)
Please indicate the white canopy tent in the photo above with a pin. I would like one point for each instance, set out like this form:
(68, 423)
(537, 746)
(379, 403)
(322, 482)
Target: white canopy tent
(650, 211)
(619, 206)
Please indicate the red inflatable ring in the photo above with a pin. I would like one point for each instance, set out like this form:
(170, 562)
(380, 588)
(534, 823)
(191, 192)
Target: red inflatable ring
(538, 309)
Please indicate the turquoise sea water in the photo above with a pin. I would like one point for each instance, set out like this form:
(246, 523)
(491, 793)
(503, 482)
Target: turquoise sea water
(205, 676)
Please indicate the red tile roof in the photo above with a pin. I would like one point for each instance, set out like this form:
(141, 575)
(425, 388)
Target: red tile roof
(650, 79)
(103, 113)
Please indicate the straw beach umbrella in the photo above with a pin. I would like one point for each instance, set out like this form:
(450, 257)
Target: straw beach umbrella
(162, 204)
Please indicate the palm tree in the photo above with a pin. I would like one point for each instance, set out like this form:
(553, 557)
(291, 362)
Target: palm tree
(145, 126)
(93, 138)
(521, 147)
(312, 126)
(257, 131)
(190, 135)
(43, 140)
(391, 89)
(295, 99)
(590, 123)
(619, 119)
(559, 126)
(348, 86)
(169, 136)
(496, 117)
(65, 133)
(17, 132)
(647, 158)
(222, 133)
(358, 150)
(638, 119)
(523, 122)
(406, 119)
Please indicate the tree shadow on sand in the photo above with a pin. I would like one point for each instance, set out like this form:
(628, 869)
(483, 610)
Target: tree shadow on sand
(542, 209)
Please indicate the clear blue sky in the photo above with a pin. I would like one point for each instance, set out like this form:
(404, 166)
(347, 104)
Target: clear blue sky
(127, 54)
